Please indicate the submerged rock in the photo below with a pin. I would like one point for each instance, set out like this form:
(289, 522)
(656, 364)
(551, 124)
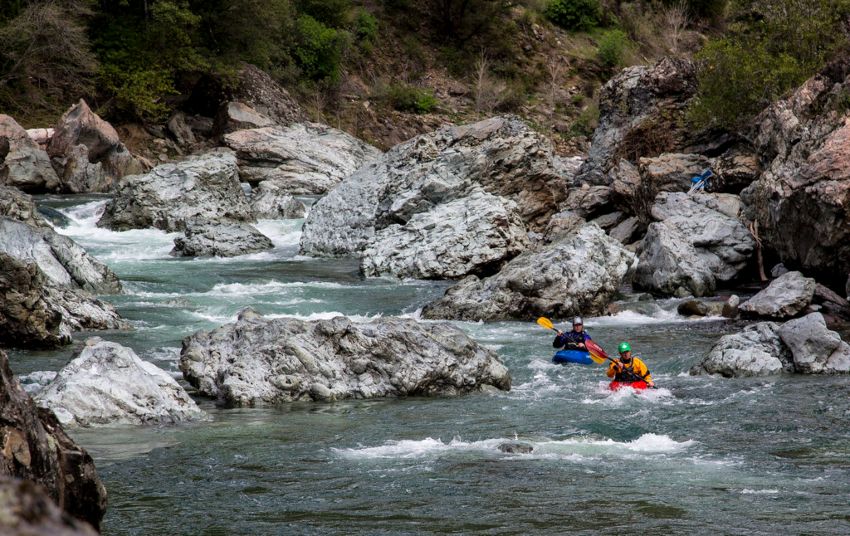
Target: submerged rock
(26, 165)
(106, 383)
(816, 349)
(694, 244)
(473, 234)
(27, 510)
(204, 187)
(516, 447)
(203, 239)
(785, 297)
(304, 158)
(576, 275)
(756, 351)
(35, 447)
(501, 155)
(263, 361)
(270, 201)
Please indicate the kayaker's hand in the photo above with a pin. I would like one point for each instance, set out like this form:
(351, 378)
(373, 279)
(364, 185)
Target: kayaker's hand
(651, 385)
(582, 345)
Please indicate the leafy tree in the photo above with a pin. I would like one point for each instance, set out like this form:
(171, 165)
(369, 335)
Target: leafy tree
(318, 50)
(577, 15)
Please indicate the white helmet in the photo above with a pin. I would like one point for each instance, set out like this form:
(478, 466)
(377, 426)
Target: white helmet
(577, 320)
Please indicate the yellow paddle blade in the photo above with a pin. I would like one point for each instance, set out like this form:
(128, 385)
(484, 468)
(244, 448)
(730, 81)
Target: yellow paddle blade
(598, 359)
(545, 322)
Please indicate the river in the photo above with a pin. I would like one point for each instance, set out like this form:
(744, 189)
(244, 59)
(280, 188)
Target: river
(700, 455)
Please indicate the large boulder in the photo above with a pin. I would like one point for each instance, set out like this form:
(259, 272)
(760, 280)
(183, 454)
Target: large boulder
(204, 187)
(64, 262)
(641, 112)
(304, 158)
(474, 234)
(26, 165)
(263, 361)
(203, 239)
(577, 275)
(258, 92)
(87, 152)
(106, 384)
(270, 201)
(802, 199)
(35, 312)
(755, 351)
(695, 243)
(501, 155)
(815, 349)
(27, 510)
(785, 297)
(35, 447)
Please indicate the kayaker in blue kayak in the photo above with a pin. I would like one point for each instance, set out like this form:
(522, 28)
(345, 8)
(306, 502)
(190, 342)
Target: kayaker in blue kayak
(573, 340)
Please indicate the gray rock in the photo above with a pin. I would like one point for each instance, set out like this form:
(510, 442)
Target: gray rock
(815, 349)
(756, 351)
(785, 297)
(735, 170)
(303, 158)
(107, 384)
(204, 187)
(180, 129)
(577, 275)
(778, 270)
(235, 116)
(627, 230)
(567, 167)
(609, 221)
(270, 201)
(561, 225)
(692, 308)
(694, 245)
(470, 235)
(256, 89)
(16, 205)
(202, 239)
(60, 259)
(26, 165)
(640, 114)
(670, 265)
(264, 361)
(730, 308)
(516, 447)
(589, 201)
(501, 155)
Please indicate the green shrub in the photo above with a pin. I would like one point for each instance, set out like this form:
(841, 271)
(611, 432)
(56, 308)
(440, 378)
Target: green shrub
(577, 15)
(318, 50)
(331, 13)
(365, 29)
(405, 98)
(737, 81)
(612, 46)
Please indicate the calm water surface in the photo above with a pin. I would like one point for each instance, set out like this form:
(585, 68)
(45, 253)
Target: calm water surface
(701, 455)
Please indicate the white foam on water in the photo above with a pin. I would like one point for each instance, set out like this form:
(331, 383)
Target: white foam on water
(36, 381)
(267, 287)
(631, 318)
(325, 315)
(627, 395)
(570, 449)
(282, 233)
(747, 491)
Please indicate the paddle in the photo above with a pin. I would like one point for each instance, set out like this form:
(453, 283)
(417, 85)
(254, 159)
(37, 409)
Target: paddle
(596, 353)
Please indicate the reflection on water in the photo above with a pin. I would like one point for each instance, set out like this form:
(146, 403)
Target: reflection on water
(698, 456)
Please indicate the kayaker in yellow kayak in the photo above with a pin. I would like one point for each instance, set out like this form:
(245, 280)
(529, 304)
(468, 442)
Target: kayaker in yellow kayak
(629, 369)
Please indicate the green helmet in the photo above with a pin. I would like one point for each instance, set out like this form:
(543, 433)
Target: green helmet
(624, 347)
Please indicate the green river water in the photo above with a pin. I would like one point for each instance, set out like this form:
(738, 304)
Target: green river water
(700, 455)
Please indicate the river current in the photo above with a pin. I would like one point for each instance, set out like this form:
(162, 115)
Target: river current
(700, 455)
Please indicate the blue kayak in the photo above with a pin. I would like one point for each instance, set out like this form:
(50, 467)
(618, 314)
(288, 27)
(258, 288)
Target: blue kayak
(572, 356)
